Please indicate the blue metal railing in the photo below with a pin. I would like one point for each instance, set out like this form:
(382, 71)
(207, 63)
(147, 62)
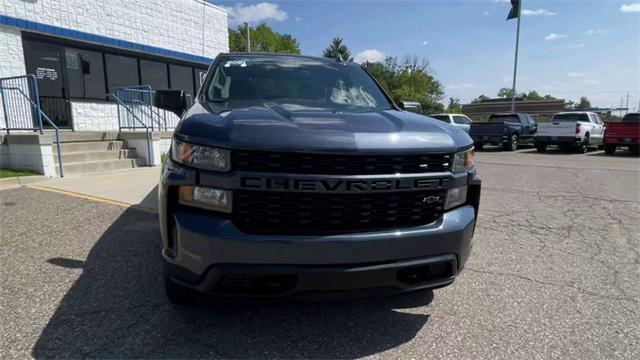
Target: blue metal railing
(21, 107)
(138, 101)
(135, 120)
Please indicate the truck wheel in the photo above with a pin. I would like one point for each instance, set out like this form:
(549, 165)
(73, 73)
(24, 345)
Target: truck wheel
(512, 145)
(176, 293)
(479, 146)
(541, 147)
(609, 149)
(584, 145)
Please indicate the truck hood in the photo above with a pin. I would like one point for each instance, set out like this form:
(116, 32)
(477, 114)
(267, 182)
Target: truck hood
(263, 128)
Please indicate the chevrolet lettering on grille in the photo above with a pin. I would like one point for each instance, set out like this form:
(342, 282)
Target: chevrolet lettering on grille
(340, 185)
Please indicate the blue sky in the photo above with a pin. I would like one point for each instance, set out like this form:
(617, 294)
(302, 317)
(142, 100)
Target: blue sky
(567, 48)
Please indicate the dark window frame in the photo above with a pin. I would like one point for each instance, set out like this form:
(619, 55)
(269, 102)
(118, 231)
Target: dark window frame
(63, 43)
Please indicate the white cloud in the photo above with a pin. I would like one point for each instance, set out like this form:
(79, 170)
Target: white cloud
(577, 46)
(255, 13)
(507, 79)
(575, 74)
(487, 12)
(425, 43)
(633, 7)
(369, 55)
(597, 32)
(590, 82)
(461, 86)
(297, 19)
(537, 12)
(502, 1)
(554, 36)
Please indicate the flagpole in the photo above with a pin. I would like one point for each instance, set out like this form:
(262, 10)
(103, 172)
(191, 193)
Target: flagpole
(515, 63)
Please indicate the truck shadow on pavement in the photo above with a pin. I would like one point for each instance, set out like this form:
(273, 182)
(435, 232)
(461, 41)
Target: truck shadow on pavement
(117, 309)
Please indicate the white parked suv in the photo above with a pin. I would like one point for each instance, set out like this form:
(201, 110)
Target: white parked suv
(570, 130)
(457, 120)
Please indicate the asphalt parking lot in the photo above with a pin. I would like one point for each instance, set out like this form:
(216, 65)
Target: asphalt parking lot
(555, 273)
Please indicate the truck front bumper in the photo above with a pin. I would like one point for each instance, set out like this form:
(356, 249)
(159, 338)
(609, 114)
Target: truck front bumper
(206, 252)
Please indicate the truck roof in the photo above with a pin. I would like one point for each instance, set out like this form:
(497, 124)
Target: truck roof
(508, 113)
(280, 55)
(574, 112)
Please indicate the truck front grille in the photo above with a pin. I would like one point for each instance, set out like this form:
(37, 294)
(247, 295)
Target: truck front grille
(291, 213)
(339, 164)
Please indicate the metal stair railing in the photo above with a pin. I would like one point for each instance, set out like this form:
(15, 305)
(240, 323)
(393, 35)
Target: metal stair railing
(139, 100)
(142, 124)
(14, 109)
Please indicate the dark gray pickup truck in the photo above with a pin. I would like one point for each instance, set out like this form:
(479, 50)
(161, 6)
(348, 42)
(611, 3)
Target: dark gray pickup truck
(293, 175)
(508, 130)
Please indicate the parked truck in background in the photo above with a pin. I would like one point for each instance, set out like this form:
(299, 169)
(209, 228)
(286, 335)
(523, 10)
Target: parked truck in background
(508, 130)
(293, 175)
(623, 134)
(575, 130)
(458, 120)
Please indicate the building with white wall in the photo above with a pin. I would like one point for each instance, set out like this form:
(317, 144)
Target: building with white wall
(82, 50)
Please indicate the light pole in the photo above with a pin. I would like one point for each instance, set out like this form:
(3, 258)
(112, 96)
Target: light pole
(248, 36)
(515, 62)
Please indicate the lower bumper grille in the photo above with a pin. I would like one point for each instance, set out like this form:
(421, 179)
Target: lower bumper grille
(263, 212)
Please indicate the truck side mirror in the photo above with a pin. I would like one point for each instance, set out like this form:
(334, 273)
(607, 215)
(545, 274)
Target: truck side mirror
(172, 100)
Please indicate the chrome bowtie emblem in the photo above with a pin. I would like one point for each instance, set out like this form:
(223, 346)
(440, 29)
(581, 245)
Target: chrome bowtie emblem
(431, 199)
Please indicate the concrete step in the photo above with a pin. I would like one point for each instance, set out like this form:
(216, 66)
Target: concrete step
(74, 157)
(85, 146)
(102, 165)
(80, 136)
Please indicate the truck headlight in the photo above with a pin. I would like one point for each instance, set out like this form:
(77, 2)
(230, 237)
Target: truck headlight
(206, 198)
(456, 197)
(462, 161)
(201, 157)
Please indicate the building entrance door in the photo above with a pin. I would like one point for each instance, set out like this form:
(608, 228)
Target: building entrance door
(46, 63)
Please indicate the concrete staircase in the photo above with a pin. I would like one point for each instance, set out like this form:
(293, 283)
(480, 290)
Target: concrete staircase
(84, 152)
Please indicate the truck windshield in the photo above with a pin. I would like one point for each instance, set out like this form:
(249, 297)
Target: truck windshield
(631, 117)
(293, 84)
(444, 118)
(571, 118)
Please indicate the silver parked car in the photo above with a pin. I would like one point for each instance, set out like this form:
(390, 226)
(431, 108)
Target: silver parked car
(457, 120)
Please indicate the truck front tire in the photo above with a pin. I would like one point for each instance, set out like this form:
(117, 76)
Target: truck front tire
(512, 145)
(176, 293)
(609, 149)
(584, 145)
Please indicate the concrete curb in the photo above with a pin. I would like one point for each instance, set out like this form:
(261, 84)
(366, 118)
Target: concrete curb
(16, 182)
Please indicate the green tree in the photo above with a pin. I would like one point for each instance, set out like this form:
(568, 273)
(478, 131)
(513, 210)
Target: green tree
(263, 39)
(583, 104)
(506, 93)
(479, 99)
(337, 49)
(534, 96)
(454, 106)
(410, 81)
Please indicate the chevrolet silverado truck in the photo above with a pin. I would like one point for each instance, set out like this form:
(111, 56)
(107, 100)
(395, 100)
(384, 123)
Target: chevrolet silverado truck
(575, 130)
(623, 134)
(291, 176)
(508, 130)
